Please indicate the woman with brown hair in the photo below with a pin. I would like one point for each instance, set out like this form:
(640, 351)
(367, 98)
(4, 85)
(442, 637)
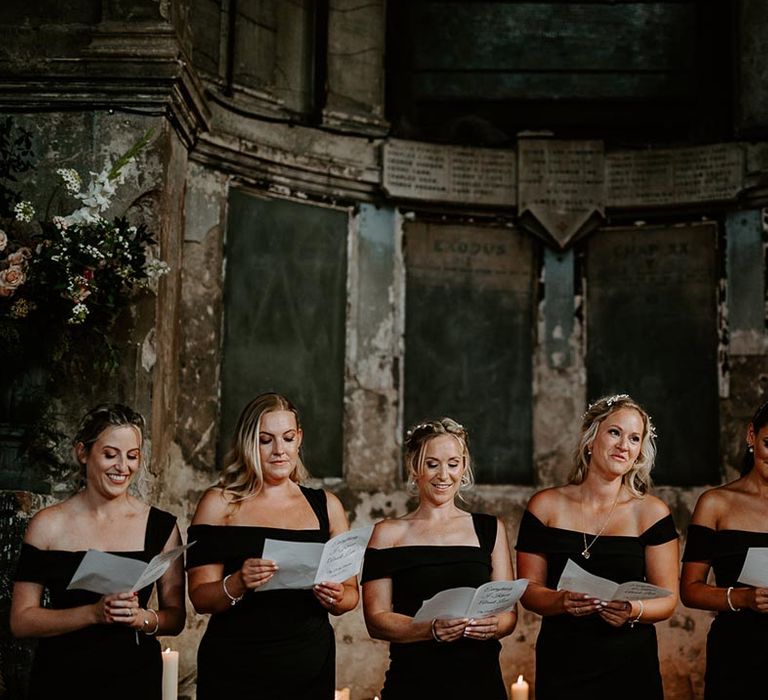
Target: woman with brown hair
(93, 646)
(726, 522)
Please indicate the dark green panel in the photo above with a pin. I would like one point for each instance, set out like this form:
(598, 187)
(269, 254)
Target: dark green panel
(652, 332)
(553, 36)
(468, 340)
(284, 330)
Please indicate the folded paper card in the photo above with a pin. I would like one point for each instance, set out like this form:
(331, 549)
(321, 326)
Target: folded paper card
(489, 599)
(577, 580)
(303, 564)
(105, 573)
(754, 572)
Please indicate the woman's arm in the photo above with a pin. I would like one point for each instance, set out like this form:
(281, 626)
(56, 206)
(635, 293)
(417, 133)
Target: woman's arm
(209, 590)
(695, 589)
(30, 619)
(383, 623)
(171, 612)
(497, 626)
(337, 598)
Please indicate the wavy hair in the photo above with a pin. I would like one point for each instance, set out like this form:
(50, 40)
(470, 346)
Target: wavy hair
(242, 476)
(638, 478)
(416, 440)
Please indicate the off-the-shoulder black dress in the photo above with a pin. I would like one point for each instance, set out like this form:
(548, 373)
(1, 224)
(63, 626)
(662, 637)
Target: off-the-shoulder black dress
(272, 644)
(448, 670)
(100, 661)
(737, 642)
(584, 657)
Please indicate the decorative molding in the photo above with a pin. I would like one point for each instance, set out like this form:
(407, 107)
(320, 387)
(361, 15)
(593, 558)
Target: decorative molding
(136, 67)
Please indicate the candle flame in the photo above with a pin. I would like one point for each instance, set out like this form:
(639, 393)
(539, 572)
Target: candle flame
(520, 678)
(167, 649)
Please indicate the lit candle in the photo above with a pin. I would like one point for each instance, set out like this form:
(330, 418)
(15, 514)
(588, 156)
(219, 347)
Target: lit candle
(342, 694)
(519, 689)
(170, 674)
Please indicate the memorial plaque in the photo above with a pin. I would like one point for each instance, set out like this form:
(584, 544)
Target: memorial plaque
(430, 172)
(469, 339)
(675, 175)
(561, 184)
(284, 318)
(652, 325)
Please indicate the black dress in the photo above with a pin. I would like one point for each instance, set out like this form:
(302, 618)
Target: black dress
(584, 657)
(272, 644)
(100, 661)
(737, 642)
(466, 668)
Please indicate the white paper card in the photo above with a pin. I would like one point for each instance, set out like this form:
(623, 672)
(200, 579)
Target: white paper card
(577, 580)
(105, 573)
(303, 564)
(754, 572)
(489, 599)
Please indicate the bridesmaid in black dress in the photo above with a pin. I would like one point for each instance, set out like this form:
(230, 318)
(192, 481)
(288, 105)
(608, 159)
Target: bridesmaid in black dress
(606, 521)
(726, 522)
(93, 646)
(274, 643)
(436, 547)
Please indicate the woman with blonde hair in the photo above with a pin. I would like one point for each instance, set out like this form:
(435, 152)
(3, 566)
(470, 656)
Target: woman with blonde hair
(277, 643)
(605, 520)
(435, 547)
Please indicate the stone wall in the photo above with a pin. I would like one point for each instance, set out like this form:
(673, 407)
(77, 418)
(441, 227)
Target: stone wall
(101, 78)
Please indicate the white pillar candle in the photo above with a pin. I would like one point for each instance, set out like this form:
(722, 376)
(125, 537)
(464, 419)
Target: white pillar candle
(519, 689)
(170, 674)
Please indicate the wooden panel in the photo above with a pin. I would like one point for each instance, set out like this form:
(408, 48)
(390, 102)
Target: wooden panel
(285, 304)
(652, 332)
(468, 339)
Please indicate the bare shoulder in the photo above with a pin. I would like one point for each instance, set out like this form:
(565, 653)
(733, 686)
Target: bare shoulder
(387, 533)
(336, 513)
(546, 503)
(335, 506)
(47, 523)
(713, 503)
(652, 510)
(213, 508)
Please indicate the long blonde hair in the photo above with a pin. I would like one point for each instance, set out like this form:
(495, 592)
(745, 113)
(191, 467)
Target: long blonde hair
(242, 475)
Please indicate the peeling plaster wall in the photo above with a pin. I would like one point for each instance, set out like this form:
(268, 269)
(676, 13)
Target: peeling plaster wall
(171, 366)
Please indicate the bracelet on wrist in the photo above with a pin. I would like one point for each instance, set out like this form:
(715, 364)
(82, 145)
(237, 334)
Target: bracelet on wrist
(233, 600)
(145, 625)
(728, 599)
(634, 621)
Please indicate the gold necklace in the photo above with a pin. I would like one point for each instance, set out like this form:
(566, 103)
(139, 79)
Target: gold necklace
(585, 552)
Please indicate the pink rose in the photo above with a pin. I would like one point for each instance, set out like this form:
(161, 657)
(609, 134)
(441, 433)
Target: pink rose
(12, 278)
(18, 258)
(3, 240)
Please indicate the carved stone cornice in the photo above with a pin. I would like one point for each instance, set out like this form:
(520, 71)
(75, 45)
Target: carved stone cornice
(136, 67)
(291, 158)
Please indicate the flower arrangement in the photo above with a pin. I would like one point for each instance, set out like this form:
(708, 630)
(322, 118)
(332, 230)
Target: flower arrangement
(71, 274)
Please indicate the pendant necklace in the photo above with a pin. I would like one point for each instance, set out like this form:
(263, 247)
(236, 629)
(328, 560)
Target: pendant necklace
(585, 552)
